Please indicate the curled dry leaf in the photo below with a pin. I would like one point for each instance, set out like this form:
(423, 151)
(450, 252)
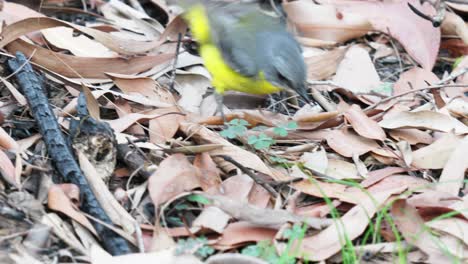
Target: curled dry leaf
(347, 143)
(411, 135)
(212, 218)
(165, 126)
(263, 217)
(6, 141)
(414, 78)
(454, 172)
(425, 120)
(174, 175)
(86, 67)
(412, 227)
(356, 71)
(324, 65)
(436, 155)
(363, 125)
(454, 25)
(419, 38)
(241, 232)
(210, 174)
(326, 243)
(59, 201)
(7, 169)
(325, 22)
(137, 85)
(375, 176)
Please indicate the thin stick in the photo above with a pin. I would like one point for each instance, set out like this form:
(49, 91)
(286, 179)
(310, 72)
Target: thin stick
(252, 175)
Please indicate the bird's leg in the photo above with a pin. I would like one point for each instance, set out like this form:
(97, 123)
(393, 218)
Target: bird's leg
(219, 102)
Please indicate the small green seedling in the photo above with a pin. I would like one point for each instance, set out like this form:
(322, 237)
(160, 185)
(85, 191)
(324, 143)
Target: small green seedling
(262, 141)
(235, 128)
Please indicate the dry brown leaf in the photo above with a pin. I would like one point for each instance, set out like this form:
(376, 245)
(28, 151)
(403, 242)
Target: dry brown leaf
(210, 174)
(165, 126)
(419, 38)
(241, 232)
(91, 103)
(454, 25)
(411, 226)
(203, 135)
(145, 86)
(237, 187)
(119, 125)
(117, 44)
(18, 96)
(436, 155)
(375, 176)
(59, 201)
(415, 78)
(348, 143)
(357, 72)
(454, 172)
(174, 175)
(316, 160)
(324, 22)
(411, 135)
(454, 226)
(212, 218)
(363, 125)
(6, 141)
(13, 12)
(86, 67)
(7, 169)
(324, 65)
(340, 169)
(326, 243)
(262, 217)
(425, 120)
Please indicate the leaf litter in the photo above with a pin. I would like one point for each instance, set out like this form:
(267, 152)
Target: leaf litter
(380, 177)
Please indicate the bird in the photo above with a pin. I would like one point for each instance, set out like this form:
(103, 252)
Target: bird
(247, 50)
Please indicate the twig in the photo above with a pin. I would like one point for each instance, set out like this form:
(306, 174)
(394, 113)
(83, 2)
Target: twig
(437, 19)
(252, 175)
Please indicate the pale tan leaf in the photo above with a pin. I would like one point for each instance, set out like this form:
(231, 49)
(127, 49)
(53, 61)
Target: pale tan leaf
(59, 201)
(436, 155)
(411, 225)
(362, 124)
(324, 22)
(6, 141)
(454, 173)
(91, 103)
(348, 143)
(425, 120)
(323, 245)
(357, 72)
(174, 175)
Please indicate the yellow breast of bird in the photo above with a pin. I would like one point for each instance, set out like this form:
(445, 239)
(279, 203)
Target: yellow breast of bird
(225, 78)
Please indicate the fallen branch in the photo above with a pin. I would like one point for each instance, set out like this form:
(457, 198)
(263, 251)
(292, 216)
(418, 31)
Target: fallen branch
(60, 152)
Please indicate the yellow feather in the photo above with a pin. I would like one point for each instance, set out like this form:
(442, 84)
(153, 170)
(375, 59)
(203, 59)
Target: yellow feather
(224, 77)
